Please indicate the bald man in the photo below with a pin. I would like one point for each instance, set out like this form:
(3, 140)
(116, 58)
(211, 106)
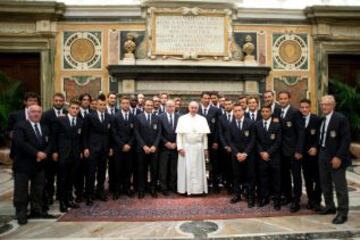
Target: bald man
(33, 146)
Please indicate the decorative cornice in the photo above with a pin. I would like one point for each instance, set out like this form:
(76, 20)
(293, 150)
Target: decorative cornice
(333, 14)
(269, 15)
(30, 11)
(102, 12)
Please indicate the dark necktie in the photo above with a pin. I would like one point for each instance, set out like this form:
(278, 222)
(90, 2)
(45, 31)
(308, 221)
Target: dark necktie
(205, 111)
(265, 125)
(133, 111)
(58, 112)
(228, 117)
(239, 125)
(102, 117)
(304, 119)
(252, 116)
(37, 133)
(86, 112)
(73, 122)
(112, 111)
(126, 116)
(282, 113)
(149, 119)
(171, 122)
(322, 132)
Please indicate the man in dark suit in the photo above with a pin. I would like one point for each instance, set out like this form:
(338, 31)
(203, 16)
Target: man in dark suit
(33, 146)
(268, 143)
(223, 125)
(241, 137)
(133, 106)
(269, 99)
(292, 148)
(178, 108)
(67, 136)
(211, 114)
(310, 164)
(147, 133)
(30, 99)
(164, 97)
(51, 166)
(111, 110)
(123, 135)
(97, 135)
(168, 149)
(85, 100)
(254, 112)
(334, 158)
(157, 109)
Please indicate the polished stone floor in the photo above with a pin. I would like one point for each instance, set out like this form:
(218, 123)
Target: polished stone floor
(287, 227)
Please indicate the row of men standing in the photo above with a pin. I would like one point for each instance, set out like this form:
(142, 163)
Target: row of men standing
(108, 135)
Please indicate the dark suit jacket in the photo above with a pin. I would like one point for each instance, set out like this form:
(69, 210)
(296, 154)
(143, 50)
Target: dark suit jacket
(212, 119)
(28, 146)
(97, 134)
(182, 111)
(241, 141)
(14, 118)
(311, 138)
(137, 111)
(68, 141)
(258, 115)
(81, 116)
(338, 139)
(223, 128)
(123, 131)
(277, 111)
(167, 133)
(292, 132)
(147, 135)
(268, 141)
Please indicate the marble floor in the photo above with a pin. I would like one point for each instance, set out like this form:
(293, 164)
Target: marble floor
(286, 227)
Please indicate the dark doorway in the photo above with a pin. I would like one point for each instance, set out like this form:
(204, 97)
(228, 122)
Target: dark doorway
(24, 67)
(345, 68)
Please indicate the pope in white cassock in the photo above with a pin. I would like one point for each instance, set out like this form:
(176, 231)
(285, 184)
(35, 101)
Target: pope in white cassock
(192, 130)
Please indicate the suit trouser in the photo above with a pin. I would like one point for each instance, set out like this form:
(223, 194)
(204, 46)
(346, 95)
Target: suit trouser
(144, 160)
(227, 171)
(215, 166)
(66, 175)
(51, 170)
(310, 166)
(330, 176)
(21, 192)
(96, 166)
(168, 169)
(269, 173)
(291, 181)
(80, 175)
(111, 173)
(244, 174)
(123, 166)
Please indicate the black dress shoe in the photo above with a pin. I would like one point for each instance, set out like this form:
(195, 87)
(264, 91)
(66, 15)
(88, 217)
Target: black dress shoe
(130, 193)
(285, 201)
(89, 202)
(35, 215)
(216, 189)
(339, 219)
(63, 207)
(165, 193)
(251, 202)
(102, 197)
(277, 205)
(235, 199)
(154, 194)
(141, 195)
(47, 216)
(327, 210)
(295, 206)
(22, 220)
(263, 202)
(71, 204)
(115, 196)
(316, 207)
(78, 199)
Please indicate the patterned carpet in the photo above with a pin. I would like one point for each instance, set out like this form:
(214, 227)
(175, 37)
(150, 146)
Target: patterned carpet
(173, 207)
